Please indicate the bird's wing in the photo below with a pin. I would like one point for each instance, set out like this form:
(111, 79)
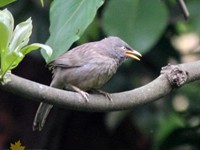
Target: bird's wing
(77, 57)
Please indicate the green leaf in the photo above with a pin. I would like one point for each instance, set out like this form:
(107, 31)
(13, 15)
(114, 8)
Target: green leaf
(68, 27)
(15, 58)
(13, 45)
(21, 35)
(5, 2)
(139, 22)
(6, 31)
(35, 46)
(6, 28)
(4, 37)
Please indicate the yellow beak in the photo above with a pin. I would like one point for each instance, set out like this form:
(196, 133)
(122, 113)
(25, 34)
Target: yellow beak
(133, 54)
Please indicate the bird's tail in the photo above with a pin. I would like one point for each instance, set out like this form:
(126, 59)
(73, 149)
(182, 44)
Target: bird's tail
(41, 115)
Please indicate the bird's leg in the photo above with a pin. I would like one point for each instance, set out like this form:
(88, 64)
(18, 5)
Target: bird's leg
(84, 94)
(103, 93)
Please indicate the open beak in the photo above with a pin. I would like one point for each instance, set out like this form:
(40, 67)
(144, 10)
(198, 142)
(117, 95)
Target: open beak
(133, 54)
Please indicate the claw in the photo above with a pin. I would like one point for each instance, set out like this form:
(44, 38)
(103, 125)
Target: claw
(103, 93)
(85, 95)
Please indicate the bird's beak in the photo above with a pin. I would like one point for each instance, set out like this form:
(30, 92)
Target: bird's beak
(133, 54)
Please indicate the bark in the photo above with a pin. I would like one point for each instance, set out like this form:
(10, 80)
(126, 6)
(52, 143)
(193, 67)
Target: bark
(172, 76)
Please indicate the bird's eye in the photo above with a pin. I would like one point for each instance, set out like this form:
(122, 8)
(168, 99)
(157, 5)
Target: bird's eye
(125, 48)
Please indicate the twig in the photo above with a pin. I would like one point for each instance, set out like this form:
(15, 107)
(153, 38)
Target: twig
(184, 9)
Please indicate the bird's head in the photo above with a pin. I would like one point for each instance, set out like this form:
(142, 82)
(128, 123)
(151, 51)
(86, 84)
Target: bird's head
(121, 50)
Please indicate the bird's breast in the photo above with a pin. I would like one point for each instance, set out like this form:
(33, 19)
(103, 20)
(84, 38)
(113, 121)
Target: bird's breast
(90, 76)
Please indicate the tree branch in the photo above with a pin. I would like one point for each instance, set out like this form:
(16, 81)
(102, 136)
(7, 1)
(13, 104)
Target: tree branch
(156, 89)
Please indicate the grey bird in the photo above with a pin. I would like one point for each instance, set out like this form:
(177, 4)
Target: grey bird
(84, 68)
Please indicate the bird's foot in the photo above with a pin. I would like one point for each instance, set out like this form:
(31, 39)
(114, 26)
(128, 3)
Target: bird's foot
(85, 95)
(103, 93)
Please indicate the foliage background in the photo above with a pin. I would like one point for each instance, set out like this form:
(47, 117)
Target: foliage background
(156, 29)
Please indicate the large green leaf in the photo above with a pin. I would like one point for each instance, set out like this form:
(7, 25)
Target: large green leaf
(139, 22)
(69, 19)
(5, 2)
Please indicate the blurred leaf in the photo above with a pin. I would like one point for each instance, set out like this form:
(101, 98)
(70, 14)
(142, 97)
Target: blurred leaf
(191, 91)
(113, 119)
(91, 33)
(139, 22)
(194, 20)
(5, 2)
(42, 3)
(68, 27)
(182, 139)
(167, 126)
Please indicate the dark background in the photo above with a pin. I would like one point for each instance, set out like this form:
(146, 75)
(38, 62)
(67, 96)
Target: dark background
(170, 123)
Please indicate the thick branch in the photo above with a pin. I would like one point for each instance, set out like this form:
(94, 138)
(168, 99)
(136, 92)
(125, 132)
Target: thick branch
(156, 89)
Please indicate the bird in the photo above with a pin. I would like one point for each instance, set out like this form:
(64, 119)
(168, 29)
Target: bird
(84, 68)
